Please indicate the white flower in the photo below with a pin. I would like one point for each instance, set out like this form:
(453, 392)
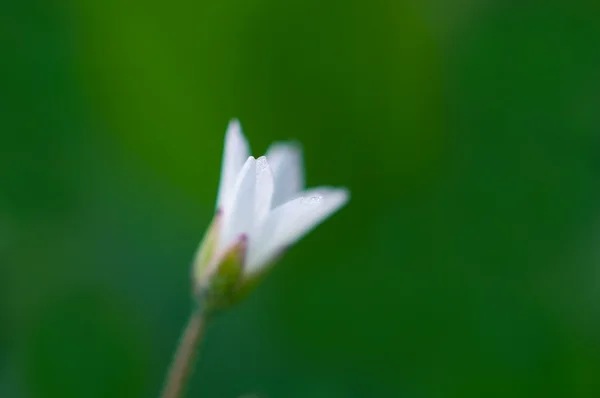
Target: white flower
(262, 208)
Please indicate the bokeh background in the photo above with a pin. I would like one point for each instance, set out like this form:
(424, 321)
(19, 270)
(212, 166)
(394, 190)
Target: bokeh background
(465, 265)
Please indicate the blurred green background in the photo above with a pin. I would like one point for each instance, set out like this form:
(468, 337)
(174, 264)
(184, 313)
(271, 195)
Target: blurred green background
(465, 265)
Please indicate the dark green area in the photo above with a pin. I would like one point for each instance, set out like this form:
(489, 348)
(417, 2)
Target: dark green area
(465, 265)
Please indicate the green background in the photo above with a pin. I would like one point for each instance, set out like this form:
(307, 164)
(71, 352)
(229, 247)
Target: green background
(465, 265)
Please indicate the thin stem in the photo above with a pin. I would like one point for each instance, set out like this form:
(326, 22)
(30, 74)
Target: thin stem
(184, 357)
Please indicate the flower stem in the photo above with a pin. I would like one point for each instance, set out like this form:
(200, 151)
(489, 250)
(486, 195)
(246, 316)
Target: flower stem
(184, 357)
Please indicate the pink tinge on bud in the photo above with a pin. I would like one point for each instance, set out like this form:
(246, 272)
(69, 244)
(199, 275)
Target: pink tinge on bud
(243, 247)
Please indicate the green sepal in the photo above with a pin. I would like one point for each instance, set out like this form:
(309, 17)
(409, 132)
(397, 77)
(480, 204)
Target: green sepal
(206, 249)
(216, 288)
(220, 283)
(247, 285)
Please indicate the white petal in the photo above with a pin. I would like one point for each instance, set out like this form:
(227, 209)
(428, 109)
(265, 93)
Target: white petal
(264, 189)
(240, 217)
(285, 160)
(289, 222)
(235, 154)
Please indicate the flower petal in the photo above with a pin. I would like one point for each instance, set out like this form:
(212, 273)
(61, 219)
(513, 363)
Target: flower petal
(235, 154)
(240, 217)
(289, 222)
(264, 189)
(285, 160)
